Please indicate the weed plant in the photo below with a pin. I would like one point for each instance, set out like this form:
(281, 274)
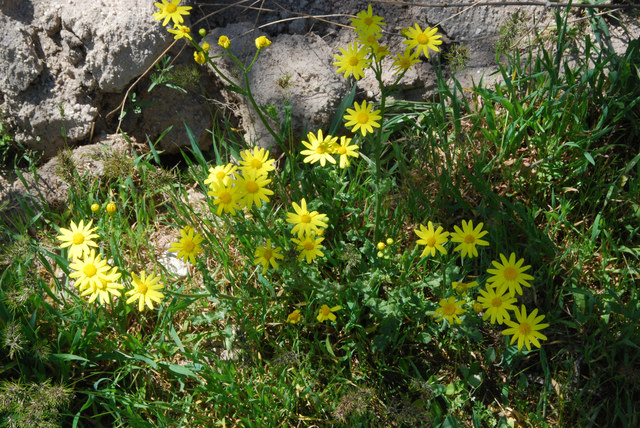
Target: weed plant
(471, 261)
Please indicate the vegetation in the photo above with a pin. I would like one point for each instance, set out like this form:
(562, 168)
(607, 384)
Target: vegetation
(369, 324)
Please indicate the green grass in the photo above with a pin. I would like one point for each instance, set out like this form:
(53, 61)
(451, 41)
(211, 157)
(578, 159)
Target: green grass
(548, 161)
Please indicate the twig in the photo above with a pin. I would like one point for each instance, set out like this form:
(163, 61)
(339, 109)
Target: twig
(515, 3)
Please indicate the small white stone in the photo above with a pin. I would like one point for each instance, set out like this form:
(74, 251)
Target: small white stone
(173, 264)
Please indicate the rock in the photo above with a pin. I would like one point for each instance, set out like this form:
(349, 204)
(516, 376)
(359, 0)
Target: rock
(296, 69)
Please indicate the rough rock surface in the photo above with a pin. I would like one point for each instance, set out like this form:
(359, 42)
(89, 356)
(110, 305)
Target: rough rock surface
(64, 57)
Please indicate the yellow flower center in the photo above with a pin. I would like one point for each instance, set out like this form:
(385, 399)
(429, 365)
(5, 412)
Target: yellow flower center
(256, 163)
(342, 150)
(305, 218)
(78, 239)
(510, 274)
(363, 117)
(496, 302)
(308, 246)
(89, 270)
(171, 8)
(220, 175)
(524, 328)
(353, 61)
(431, 242)
(188, 246)
(449, 309)
(423, 39)
(320, 150)
(469, 239)
(142, 288)
(252, 187)
(325, 310)
(368, 21)
(371, 38)
(268, 254)
(225, 197)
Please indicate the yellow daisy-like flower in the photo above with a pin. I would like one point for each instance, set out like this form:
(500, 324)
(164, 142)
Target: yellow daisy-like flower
(309, 247)
(199, 57)
(527, 328)
(262, 42)
(268, 255)
(224, 42)
(170, 11)
(88, 271)
(294, 317)
(146, 290)
(327, 313)
(305, 222)
(353, 60)
(362, 118)
(379, 51)
(463, 287)
(108, 287)
(509, 274)
(319, 149)
(111, 208)
(405, 61)
(423, 40)
(345, 151)
(449, 309)
(368, 39)
(181, 31)
(367, 22)
(221, 174)
(432, 239)
(188, 247)
(79, 238)
(257, 161)
(251, 190)
(468, 237)
(498, 303)
(226, 198)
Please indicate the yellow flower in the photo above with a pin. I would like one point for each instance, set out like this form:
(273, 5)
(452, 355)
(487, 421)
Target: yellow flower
(381, 245)
(305, 222)
(498, 303)
(423, 40)
(352, 60)
(432, 239)
(345, 151)
(367, 22)
(262, 42)
(527, 328)
(257, 161)
(379, 51)
(462, 287)
(477, 307)
(294, 317)
(79, 238)
(509, 274)
(221, 174)
(88, 271)
(180, 32)
(199, 57)
(206, 46)
(226, 198)
(111, 207)
(362, 118)
(108, 287)
(224, 42)
(171, 11)
(327, 313)
(449, 309)
(319, 148)
(251, 190)
(145, 290)
(405, 60)
(309, 247)
(268, 255)
(390, 241)
(468, 238)
(188, 247)
(95, 208)
(368, 39)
